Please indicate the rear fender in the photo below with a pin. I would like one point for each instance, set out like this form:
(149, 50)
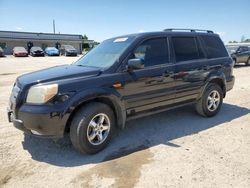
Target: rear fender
(214, 77)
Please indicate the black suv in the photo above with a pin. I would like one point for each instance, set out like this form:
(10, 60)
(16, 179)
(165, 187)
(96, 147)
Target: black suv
(123, 78)
(241, 55)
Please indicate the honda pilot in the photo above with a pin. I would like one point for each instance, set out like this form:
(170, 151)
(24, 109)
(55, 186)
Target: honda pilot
(121, 79)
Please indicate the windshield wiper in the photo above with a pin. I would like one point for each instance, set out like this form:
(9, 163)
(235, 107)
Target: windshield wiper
(87, 66)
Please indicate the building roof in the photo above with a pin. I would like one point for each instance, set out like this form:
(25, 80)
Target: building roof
(15, 35)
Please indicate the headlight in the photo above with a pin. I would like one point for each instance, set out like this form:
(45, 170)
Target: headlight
(41, 94)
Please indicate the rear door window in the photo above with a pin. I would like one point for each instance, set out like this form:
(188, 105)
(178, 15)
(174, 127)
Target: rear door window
(214, 47)
(186, 48)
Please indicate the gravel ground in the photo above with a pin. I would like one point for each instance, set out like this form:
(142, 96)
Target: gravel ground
(172, 149)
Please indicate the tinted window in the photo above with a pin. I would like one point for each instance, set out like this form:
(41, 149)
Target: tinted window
(186, 48)
(153, 52)
(214, 46)
(243, 49)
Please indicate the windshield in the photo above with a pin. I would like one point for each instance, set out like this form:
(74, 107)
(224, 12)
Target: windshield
(69, 47)
(19, 49)
(106, 53)
(36, 48)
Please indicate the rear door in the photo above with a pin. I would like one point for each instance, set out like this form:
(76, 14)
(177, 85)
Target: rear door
(152, 86)
(190, 67)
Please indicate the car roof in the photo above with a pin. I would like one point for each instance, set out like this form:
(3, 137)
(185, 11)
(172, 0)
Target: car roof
(168, 33)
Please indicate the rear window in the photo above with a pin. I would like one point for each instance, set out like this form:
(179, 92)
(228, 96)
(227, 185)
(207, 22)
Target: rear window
(214, 47)
(186, 48)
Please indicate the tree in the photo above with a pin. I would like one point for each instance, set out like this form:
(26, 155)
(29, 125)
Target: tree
(242, 38)
(247, 40)
(232, 41)
(84, 37)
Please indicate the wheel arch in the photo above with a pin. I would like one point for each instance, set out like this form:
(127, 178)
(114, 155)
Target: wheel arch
(221, 83)
(219, 80)
(119, 112)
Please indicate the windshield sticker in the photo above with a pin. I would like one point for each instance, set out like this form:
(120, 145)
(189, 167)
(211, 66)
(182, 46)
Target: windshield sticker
(121, 39)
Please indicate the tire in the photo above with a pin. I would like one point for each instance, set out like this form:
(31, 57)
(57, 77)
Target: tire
(248, 62)
(208, 105)
(82, 132)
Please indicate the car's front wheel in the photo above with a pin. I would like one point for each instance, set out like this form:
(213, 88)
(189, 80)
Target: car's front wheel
(210, 102)
(92, 128)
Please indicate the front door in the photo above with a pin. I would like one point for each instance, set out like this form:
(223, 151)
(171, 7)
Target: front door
(152, 86)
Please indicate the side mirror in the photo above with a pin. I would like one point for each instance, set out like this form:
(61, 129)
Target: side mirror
(134, 64)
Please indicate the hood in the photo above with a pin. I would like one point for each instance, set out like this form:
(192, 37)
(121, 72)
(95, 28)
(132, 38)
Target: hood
(57, 73)
(70, 50)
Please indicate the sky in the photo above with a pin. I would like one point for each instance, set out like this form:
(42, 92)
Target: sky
(102, 19)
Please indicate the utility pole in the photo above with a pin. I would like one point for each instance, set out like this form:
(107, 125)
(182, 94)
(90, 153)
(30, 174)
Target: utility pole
(54, 26)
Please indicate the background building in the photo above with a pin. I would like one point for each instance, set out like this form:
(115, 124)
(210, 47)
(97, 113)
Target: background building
(10, 39)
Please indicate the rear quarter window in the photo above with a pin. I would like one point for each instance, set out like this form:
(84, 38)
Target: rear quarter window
(214, 47)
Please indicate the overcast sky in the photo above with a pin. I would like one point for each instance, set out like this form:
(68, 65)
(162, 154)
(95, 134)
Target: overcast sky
(103, 19)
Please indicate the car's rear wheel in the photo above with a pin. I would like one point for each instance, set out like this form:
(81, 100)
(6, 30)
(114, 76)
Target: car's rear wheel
(92, 128)
(211, 101)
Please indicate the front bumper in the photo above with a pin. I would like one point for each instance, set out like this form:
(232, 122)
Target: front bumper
(53, 54)
(71, 53)
(40, 121)
(38, 54)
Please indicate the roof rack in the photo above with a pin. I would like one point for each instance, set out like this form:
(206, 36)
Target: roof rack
(191, 30)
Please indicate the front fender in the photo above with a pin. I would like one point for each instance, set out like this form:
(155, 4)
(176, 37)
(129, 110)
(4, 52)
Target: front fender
(99, 93)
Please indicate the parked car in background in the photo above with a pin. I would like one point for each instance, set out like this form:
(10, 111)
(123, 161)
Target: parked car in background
(231, 49)
(36, 51)
(241, 55)
(19, 51)
(52, 51)
(1, 52)
(123, 78)
(68, 50)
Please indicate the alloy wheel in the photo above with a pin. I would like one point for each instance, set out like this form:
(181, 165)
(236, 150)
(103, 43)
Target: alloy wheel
(213, 100)
(98, 129)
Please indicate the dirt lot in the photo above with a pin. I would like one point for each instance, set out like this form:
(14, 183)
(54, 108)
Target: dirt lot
(172, 149)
